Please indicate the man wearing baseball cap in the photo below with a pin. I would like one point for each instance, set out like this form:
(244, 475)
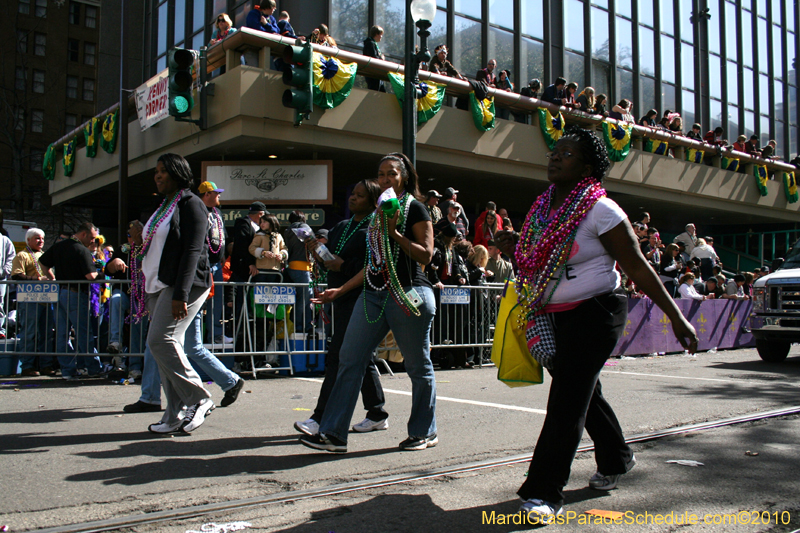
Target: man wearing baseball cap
(431, 202)
(450, 197)
(217, 237)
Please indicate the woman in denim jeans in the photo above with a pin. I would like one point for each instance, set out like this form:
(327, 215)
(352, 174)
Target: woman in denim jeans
(397, 297)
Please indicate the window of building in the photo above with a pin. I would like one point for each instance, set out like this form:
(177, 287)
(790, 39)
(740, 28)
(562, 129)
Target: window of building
(715, 76)
(88, 89)
(72, 49)
(749, 123)
(600, 30)
(687, 109)
(24, 7)
(37, 156)
(601, 77)
(667, 59)
(624, 43)
(779, 129)
(749, 88)
(74, 13)
(646, 12)
(747, 38)
(37, 121)
(349, 22)
(392, 43)
(471, 8)
(466, 53)
(39, 43)
(180, 21)
(38, 81)
(532, 58)
(501, 12)
(792, 142)
(574, 68)
(624, 87)
(762, 39)
(763, 93)
(687, 65)
(501, 48)
(668, 98)
(716, 114)
(532, 19)
(438, 30)
(161, 46)
(686, 26)
(733, 83)
(714, 35)
(763, 132)
(22, 41)
(647, 52)
(777, 52)
(573, 22)
(72, 87)
(667, 17)
(41, 8)
(778, 102)
(648, 96)
(733, 122)
(89, 53)
(19, 122)
(91, 17)
(70, 123)
(730, 30)
(21, 79)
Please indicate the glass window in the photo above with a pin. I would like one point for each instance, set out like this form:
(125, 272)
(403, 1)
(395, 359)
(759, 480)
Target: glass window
(790, 56)
(792, 142)
(19, 119)
(180, 20)
(748, 88)
(733, 123)
(38, 81)
(648, 95)
(668, 97)
(715, 76)
(72, 86)
(624, 87)
(70, 123)
(601, 3)
(89, 53)
(762, 7)
(624, 8)
(776, 11)
(466, 54)
(220, 6)
(574, 69)
(624, 43)
(88, 89)
(778, 102)
(647, 53)
(471, 8)
(531, 16)
(20, 80)
(646, 12)
(199, 16)
(763, 38)
(36, 158)
(349, 22)
(749, 123)
(777, 52)
(37, 121)
(601, 77)
(716, 114)
(747, 38)
(714, 38)
(733, 83)
(532, 57)
(687, 65)
(162, 28)
(792, 105)
(730, 31)
(24, 7)
(763, 133)
(441, 3)
(667, 59)
(72, 49)
(387, 12)
(573, 22)
(501, 48)
(501, 12)
(667, 20)
(41, 8)
(74, 13)
(599, 34)
(239, 15)
(22, 41)
(438, 31)
(779, 129)
(161, 63)
(39, 43)
(686, 26)
(91, 17)
(789, 15)
(763, 96)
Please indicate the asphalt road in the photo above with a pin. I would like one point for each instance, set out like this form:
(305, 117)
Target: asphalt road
(68, 454)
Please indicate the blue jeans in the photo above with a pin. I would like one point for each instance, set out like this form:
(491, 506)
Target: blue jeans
(412, 334)
(195, 351)
(73, 309)
(303, 314)
(216, 304)
(34, 320)
(119, 306)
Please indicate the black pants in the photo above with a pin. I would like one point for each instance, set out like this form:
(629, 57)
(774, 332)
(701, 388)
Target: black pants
(371, 390)
(585, 338)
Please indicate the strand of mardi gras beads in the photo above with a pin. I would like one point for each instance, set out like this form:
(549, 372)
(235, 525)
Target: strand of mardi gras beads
(546, 242)
(138, 310)
(36, 264)
(216, 226)
(163, 213)
(322, 276)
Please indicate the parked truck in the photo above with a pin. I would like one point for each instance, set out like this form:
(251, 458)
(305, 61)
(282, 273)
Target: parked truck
(775, 321)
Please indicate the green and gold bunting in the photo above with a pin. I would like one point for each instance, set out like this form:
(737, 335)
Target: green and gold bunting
(49, 163)
(552, 126)
(790, 187)
(695, 156)
(729, 163)
(333, 81)
(431, 96)
(108, 138)
(92, 136)
(654, 146)
(69, 157)
(482, 112)
(618, 140)
(762, 176)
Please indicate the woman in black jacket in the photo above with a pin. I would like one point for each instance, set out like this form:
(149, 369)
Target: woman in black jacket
(174, 281)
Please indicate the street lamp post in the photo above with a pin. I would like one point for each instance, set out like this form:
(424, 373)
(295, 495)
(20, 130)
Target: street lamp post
(421, 14)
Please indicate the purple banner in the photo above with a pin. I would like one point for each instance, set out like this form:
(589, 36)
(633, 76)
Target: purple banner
(718, 324)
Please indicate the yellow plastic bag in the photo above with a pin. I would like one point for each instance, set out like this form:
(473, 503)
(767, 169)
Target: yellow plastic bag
(515, 365)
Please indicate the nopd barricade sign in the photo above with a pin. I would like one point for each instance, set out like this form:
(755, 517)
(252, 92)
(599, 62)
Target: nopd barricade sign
(454, 295)
(37, 292)
(273, 295)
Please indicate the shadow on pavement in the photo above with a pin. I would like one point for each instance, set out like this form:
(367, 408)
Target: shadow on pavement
(48, 416)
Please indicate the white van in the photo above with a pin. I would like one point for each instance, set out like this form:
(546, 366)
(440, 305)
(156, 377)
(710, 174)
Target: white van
(16, 232)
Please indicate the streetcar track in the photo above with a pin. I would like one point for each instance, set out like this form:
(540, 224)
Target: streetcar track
(291, 496)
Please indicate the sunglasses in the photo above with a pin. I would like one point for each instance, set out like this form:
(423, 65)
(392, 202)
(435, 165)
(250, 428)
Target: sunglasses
(221, 20)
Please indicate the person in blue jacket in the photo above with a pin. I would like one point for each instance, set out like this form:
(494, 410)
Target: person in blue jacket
(261, 19)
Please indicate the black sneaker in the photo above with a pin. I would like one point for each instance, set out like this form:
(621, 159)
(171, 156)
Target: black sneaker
(320, 441)
(419, 443)
(142, 407)
(232, 394)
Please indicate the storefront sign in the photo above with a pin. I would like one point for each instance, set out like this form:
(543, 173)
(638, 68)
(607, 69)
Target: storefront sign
(151, 100)
(272, 182)
(314, 217)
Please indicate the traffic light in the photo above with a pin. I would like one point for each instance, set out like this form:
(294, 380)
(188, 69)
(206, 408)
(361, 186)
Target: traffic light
(299, 72)
(181, 63)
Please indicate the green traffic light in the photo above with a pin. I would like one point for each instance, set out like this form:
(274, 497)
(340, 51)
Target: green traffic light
(181, 104)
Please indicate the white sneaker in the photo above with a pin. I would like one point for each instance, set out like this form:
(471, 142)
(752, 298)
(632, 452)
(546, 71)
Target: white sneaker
(367, 425)
(309, 427)
(222, 339)
(163, 427)
(196, 415)
(540, 512)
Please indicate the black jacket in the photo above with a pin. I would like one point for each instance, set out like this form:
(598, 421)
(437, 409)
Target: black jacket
(552, 94)
(241, 259)
(184, 261)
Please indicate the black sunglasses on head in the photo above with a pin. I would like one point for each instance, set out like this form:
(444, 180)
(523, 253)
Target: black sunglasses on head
(220, 20)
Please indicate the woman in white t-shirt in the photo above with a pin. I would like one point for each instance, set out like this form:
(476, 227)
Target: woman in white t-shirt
(566, 254)
(687, 290)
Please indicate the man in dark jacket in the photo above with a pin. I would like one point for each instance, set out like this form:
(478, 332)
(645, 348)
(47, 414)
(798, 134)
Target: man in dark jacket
(450, 196)
(487, 75)
(555, 93)
(371, 49)
(243, 265)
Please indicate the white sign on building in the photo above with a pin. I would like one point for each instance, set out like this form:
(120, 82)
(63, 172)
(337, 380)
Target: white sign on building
(272, 182)
(152, 104)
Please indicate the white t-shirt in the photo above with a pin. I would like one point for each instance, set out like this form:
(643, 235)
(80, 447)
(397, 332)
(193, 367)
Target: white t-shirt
(152, 260)
(590, 270)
